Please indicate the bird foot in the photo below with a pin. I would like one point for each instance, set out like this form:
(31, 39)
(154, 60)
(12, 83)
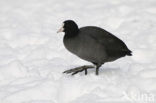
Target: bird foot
(79, 69)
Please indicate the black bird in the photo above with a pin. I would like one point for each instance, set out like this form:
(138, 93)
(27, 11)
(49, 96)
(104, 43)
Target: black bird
(92, 44)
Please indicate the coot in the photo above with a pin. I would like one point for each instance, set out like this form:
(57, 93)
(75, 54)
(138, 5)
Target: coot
(92, 44)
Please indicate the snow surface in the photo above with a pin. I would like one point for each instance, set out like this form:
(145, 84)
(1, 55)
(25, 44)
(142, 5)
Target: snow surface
(32, 55)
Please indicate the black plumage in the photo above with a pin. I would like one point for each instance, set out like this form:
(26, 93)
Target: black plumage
(92, 44)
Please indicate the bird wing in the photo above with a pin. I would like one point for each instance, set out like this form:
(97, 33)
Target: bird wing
(113, 45)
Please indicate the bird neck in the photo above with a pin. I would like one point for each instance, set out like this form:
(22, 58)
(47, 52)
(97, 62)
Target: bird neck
(72, 33)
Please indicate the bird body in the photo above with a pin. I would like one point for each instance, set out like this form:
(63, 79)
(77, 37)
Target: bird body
(96, 47)
(92, 44)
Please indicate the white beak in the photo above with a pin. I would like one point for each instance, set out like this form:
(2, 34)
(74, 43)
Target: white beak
(61, 29)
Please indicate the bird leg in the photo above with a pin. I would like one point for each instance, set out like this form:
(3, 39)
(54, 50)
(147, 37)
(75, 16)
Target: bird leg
(97, 69)
(79, 69)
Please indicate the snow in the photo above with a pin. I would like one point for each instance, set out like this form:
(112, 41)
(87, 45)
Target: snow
(33, 57)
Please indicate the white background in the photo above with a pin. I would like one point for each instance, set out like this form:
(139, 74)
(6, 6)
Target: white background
(33, 57)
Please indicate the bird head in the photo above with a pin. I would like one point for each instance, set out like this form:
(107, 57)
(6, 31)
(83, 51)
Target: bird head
(69, 27)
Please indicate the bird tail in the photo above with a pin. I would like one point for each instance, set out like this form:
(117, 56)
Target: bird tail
(129, 53)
